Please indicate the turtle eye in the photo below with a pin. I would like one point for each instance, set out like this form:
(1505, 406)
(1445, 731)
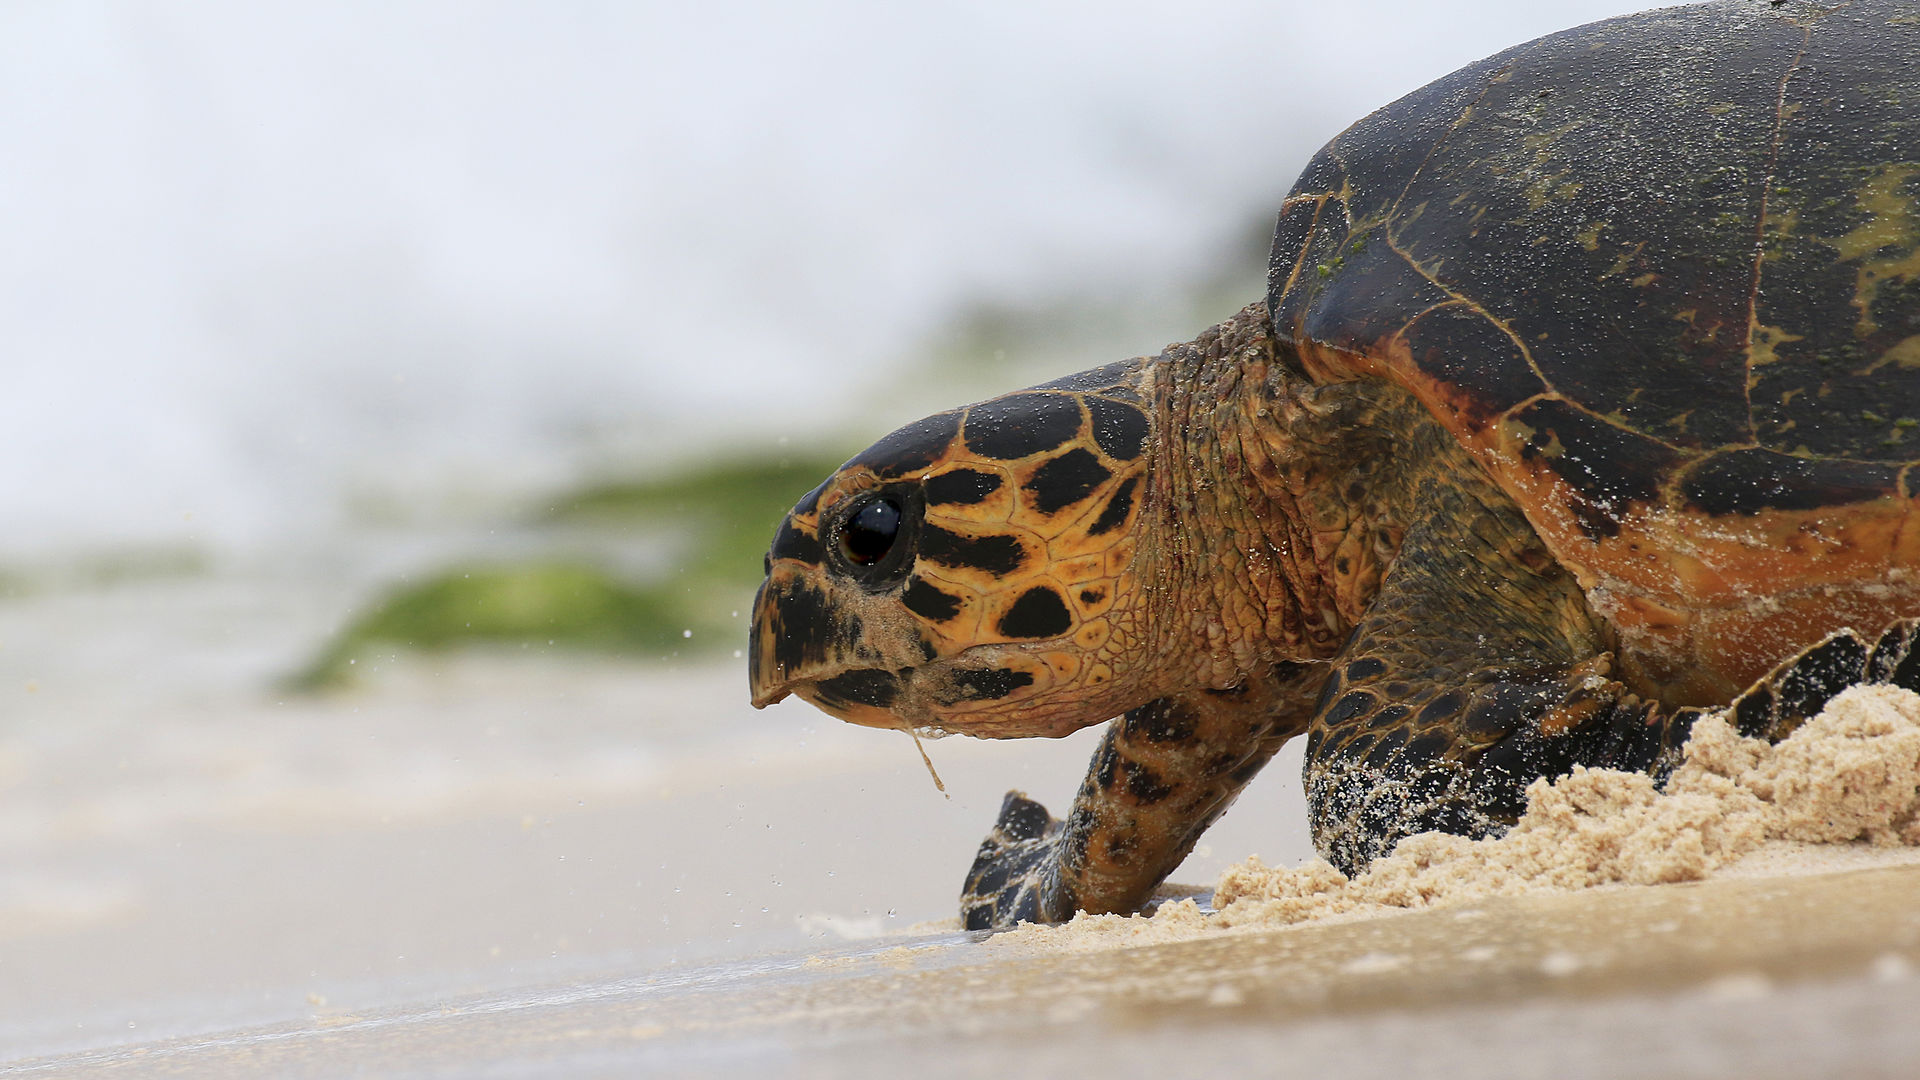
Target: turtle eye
(869, 534)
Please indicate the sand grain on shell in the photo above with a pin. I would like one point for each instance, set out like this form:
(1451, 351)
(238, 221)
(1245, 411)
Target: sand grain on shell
(1850, 776)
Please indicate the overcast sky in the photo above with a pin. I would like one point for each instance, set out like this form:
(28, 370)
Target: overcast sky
(258, 254)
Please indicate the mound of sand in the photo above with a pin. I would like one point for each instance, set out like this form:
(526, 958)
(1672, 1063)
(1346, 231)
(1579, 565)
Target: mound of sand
(1849, 776)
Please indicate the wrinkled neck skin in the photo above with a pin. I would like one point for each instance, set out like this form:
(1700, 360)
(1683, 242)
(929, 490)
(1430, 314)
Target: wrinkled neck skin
(1275, 507)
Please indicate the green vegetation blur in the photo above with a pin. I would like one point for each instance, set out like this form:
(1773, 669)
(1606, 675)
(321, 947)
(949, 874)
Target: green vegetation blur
(724, 516)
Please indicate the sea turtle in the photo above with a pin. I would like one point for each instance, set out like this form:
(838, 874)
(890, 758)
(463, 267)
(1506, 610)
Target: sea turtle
(1583, 397)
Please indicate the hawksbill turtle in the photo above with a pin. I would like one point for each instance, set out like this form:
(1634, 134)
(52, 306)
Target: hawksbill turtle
(1582, 399)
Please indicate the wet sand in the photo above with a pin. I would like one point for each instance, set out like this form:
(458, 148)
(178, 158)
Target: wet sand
(1753, 977)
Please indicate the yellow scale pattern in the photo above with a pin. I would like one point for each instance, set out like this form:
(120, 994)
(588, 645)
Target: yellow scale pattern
(1087, 571)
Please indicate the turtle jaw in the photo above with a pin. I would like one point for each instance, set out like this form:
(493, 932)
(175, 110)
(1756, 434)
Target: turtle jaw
(830, 696)
(807, 639)
(806, 642)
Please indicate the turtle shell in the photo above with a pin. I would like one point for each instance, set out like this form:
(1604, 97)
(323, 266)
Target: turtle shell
(1661, 275)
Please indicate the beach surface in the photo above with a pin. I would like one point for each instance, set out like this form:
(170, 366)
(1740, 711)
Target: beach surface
(1755, 977)
(506, 864)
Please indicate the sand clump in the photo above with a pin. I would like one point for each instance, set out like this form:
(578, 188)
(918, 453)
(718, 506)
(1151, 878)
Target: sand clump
(1848, 776)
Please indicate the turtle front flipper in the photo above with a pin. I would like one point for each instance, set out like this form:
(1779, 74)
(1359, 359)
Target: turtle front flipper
(1477, 669)
(1016, 877)
(1460, 760)
(1163, 773)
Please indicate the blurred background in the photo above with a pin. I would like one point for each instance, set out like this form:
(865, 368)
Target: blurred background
(400, 396)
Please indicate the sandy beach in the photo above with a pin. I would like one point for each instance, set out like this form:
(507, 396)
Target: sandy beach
(185, 850)
(1755, 977)
(489, 864)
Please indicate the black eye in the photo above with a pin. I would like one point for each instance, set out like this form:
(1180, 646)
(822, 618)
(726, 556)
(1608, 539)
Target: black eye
(868, 535)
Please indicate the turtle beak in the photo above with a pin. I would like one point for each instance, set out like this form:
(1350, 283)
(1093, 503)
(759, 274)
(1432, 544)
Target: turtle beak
(766, 673)
(799, 633)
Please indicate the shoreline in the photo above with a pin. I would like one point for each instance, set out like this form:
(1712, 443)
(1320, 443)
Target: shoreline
(1699, 962)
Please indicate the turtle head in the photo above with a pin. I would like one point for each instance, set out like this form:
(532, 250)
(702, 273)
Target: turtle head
(970, 572)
